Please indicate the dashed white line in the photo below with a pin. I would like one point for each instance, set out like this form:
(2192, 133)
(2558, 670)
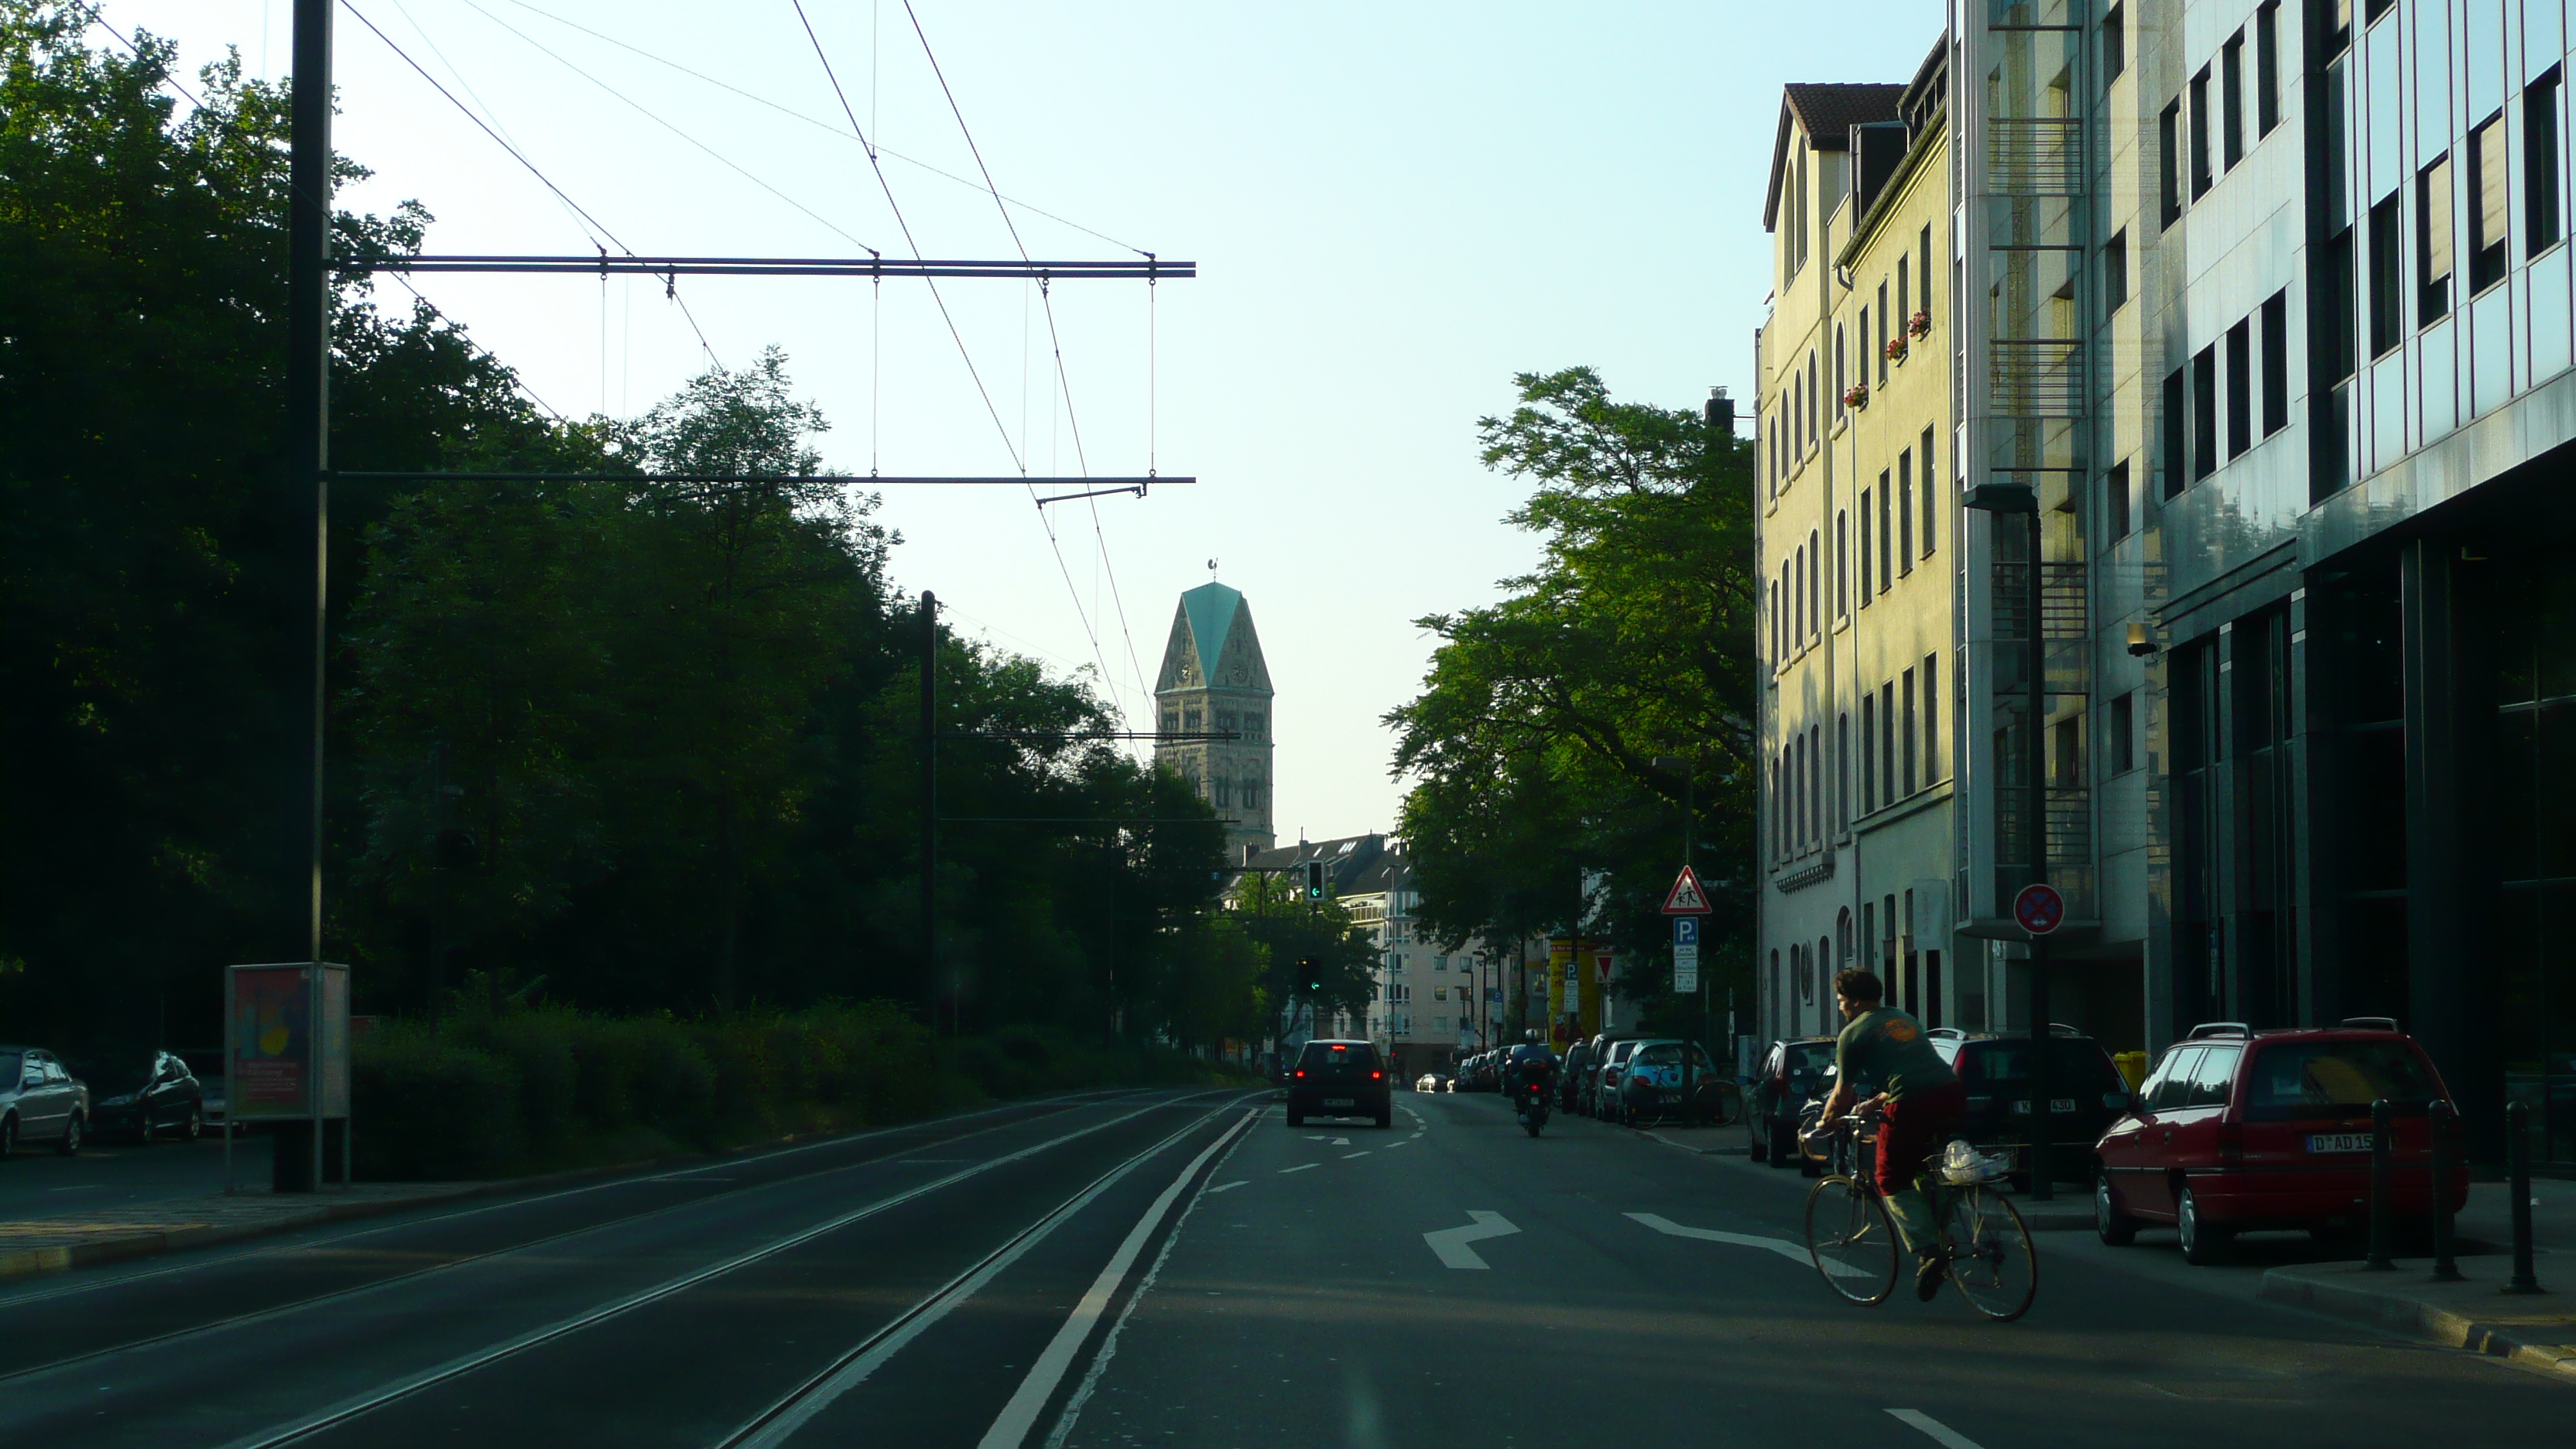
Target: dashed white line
(1226, 1186)
(1300, 1167)
(1942, 1434)
(1394, 1145)
(1794, 1252)
(1363, 1152)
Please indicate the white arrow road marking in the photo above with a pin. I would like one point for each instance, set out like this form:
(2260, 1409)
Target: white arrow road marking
(1794, 1252)
(1451, 1243)
(1301, 1167)
(1942, 1434)
(1341, 1142)
(1226, 1186)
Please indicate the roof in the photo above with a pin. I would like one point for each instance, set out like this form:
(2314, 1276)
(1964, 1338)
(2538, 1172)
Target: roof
(1348, 860)
(1211, 607)
(1826, 112)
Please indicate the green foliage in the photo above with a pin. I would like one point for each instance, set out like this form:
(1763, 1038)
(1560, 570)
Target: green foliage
(1534, 746)
(1307, 945)
(674, 720)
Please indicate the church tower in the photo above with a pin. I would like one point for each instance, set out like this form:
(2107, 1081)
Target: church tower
(1214, 679)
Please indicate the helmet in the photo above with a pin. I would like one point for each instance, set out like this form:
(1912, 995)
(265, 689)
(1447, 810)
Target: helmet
(1530, 1035)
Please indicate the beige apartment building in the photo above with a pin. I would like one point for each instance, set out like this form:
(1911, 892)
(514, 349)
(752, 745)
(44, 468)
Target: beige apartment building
(1859, 514)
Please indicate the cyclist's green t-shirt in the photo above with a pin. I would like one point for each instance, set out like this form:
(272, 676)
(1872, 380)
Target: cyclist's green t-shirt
(1889, 1047)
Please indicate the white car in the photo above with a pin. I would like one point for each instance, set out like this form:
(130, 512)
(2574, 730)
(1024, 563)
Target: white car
(1431, 1082)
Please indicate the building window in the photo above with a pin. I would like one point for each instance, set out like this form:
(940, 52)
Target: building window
(2539, 164)
(2489, 221)
(2240, 388)
(1798, 598)
(1886, 535)
(1930, 493)
(1868, 756)
(1842, 565)
(2115, 502)
(2200, 174)
(1842, 771)
(1903, 299)
(1905, 775)
(2387, 267)
(1254, 725)
(2120, 736)
(1887, 741)
(1923, 276)
(1815, 569)
(1905, 513)
(2276, 363)
(2231, 84)
(2433, 243)
(2204, 413)
(2115, 44)
(2169, 162)
(2066, 753)
(2115, 272)
(2267, 68)
(1840, 372)
(1813, 411)
(1864, 540)
(1931, 721)
(2176, 416)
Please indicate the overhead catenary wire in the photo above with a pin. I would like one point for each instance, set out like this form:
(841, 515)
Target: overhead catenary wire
(1055, 340)
(162, 76)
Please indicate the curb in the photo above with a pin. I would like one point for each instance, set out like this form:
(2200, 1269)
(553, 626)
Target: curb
(2415, 1318)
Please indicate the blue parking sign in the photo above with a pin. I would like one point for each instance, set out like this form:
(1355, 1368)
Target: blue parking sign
(1685, 930)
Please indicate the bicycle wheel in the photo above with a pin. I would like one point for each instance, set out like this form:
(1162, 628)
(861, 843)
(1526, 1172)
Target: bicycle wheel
(1991, 1259)
(1851, 1240)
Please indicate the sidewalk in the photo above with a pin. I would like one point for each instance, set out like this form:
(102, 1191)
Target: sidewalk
(2536, 1329)
(57, 1244)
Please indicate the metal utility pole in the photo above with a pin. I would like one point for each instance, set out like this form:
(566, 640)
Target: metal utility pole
(308, 376)
(930, 800)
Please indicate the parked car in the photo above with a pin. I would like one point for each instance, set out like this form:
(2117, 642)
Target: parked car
(2239, 1129)
(40, 1101)
(2086, 1094)
(136, 1094)
(1578, 1060)
(1339, 1079)
(1652, 1083)
(214, 1095)
(1786, 1082)
(1604, 1093)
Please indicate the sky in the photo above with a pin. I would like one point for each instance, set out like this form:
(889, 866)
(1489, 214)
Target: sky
(1393, 208)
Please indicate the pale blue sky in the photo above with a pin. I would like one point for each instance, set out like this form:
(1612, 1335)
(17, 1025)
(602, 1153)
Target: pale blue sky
(1394, 207)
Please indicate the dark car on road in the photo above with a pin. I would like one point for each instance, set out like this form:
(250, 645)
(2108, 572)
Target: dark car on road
(1652, 1083)
(1789, 1076)
(2085, 1091)
(1339, 1079)
(134, 1095)
(40, 1101)
(2237, 1129)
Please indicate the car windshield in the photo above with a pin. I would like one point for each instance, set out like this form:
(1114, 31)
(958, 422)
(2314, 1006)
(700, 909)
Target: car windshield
(2076, 1068)
(2330, 1078)
(1809, 1057)
(115, 1076)
(1669, 1054)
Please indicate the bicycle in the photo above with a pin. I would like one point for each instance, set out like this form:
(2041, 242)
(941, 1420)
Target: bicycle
(1855, 1246)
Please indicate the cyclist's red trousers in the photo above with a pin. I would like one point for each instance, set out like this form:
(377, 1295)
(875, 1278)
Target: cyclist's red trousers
(1916, 1126)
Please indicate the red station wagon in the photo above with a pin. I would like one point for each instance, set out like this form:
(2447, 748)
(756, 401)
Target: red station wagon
(2240, 1129)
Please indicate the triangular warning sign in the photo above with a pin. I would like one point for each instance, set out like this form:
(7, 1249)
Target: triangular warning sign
(1686, 899)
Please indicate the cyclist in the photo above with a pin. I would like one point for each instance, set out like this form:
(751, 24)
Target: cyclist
(1920, 1100)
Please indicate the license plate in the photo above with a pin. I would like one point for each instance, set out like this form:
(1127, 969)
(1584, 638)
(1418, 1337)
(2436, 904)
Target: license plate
(2055, 1104)
(2338, 1142)
(1340, 1101)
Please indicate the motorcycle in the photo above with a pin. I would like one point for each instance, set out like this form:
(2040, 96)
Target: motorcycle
(1530, 1098)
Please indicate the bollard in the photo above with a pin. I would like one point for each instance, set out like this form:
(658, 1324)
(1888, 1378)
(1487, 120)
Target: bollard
(2517, 1182)
(2382, 1210)
(2442, 1124)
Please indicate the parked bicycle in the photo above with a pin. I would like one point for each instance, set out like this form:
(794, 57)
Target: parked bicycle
(1854, 1243)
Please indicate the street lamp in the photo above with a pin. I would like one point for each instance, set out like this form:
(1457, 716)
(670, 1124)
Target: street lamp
(1999, 499)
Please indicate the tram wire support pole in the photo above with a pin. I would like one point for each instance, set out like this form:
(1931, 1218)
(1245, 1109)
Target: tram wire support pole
(930, 801)
(2443, 1125)
(2383, 1211)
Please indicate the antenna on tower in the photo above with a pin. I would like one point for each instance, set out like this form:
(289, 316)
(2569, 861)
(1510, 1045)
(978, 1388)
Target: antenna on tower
(1211, 568)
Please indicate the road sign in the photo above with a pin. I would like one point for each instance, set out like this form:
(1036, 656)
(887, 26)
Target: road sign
(1685, 954)
(2039, 909)
(1601, 969)
(1686, 898)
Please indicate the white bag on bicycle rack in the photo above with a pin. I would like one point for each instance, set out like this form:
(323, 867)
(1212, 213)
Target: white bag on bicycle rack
(1962, 1165)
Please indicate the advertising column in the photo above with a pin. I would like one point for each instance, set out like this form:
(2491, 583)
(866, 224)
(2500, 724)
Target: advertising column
(286, 1062)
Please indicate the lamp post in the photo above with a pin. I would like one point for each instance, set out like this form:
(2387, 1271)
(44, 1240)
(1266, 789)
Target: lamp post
(2000, 499)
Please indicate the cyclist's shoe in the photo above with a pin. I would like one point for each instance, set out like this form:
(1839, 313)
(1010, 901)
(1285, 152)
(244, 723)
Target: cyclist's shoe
(1928, 1276)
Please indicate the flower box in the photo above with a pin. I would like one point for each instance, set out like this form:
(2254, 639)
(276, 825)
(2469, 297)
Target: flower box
(1856, 396)
(1919, 325)
(1896, 349)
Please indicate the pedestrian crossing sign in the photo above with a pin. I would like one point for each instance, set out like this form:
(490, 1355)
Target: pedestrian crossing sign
(1686, 897)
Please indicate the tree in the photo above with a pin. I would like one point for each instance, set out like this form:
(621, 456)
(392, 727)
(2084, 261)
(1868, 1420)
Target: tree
(1534, 746)
(1318, 956)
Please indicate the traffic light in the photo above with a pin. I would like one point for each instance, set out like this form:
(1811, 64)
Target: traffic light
(1307, 966)
(1314, 880)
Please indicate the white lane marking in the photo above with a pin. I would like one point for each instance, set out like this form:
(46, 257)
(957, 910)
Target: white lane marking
(1794, 1252)
(1451, 1243)
(1394, 1145)
(1363, 1152)
(1942, 1434)
(1341, 1142)
(1319, 1137)
(1012, 1425)
(1227, 1186)
(1300, 1167)
(817, 1395)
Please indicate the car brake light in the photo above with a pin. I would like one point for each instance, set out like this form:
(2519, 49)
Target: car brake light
(2231, 1142)
(1373, 1076)
(1301, 1071)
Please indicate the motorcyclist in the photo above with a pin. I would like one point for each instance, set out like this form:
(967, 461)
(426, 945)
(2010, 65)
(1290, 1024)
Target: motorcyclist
(1530, 1060)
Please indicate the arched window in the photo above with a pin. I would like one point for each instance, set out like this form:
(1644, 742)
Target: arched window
(1815, 572)
(1842, 773)
(1842, 565)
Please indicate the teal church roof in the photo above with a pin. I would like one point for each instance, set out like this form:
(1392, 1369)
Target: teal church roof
(1211, 608)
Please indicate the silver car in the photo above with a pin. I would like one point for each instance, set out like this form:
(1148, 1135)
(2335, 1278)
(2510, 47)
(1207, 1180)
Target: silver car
(40, 1102)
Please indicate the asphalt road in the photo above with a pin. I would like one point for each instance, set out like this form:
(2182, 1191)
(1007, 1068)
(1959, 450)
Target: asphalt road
(1183, 1268)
